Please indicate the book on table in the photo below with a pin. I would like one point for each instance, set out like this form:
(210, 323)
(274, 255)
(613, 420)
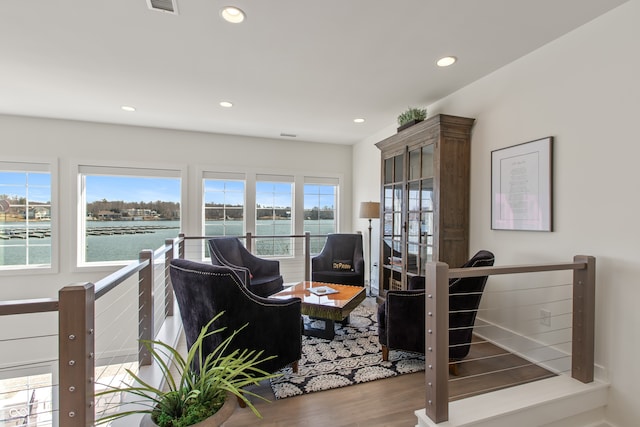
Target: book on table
(322, 290)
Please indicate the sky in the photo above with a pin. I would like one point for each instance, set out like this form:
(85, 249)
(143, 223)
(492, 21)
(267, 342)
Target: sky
(151, 189)
(132, 189)
(16, 184)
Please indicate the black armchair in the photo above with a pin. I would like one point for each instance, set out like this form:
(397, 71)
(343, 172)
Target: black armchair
(274, 326)
(340, 261)
(401, 319)
(261, 276)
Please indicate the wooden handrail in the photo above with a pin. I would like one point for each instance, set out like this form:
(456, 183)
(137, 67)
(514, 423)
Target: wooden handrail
(253, 236)
(25, 306)
(456, 273)
(111, 281)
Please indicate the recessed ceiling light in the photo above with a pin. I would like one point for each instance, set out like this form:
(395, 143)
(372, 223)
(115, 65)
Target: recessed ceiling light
(232, 14)
(128, 108)
(226, 104)
(358, 120)
(446, 61)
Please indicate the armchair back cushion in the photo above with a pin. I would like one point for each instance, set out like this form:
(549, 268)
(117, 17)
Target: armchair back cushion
(261, 276)
(340, 261)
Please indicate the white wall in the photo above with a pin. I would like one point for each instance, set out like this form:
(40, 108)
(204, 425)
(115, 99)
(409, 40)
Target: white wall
(24, 138)
(584, 90)
(366, 188)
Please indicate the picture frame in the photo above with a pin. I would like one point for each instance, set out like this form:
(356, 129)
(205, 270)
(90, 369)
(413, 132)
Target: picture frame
(521, 186)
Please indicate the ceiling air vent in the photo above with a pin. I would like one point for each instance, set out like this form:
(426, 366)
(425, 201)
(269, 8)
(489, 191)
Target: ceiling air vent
(169, 6)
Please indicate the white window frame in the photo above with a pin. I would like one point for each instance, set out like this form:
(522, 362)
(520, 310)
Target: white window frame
(311, 180)
(280, 179)
(49, 165)
(116, 170)
(208, 176)
(250, 178)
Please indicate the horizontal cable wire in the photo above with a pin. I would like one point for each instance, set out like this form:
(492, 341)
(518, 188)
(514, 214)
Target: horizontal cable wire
(29, 338)
(511, 308)
(39, 363)
(129, 308)
(115, 303)
(489, 289)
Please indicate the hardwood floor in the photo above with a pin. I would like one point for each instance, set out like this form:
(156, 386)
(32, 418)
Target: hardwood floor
(390, 402)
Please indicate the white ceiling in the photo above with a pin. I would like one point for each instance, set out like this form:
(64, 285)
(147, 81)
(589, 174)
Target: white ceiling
(294, 66)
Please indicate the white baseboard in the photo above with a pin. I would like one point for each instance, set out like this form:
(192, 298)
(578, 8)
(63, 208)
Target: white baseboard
(529, 405)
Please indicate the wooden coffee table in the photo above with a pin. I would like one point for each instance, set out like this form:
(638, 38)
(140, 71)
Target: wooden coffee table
(328, 307)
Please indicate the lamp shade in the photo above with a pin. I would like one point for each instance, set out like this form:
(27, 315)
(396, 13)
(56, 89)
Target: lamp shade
(369, 210)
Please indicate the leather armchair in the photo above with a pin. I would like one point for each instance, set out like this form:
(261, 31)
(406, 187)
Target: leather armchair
(274, 326)
(401, 319)
(340, 250)
(261, 276)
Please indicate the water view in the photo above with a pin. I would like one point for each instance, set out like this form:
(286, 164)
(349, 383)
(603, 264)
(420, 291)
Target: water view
(123, 240)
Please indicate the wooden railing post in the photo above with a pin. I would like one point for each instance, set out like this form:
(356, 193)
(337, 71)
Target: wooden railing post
(76, 362)
(181, 245)
(248, 242)
(307, 256)
(145, 306)
(584, 301)
(168, 287)
(437, 341)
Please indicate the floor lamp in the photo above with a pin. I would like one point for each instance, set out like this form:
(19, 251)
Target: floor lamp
(369, 210)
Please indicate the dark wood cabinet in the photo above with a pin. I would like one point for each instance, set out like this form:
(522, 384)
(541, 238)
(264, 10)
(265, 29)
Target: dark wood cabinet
(424, 198)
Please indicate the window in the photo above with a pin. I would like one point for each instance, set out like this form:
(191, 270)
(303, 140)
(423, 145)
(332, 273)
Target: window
(25, 215)
(224, 207)
(125, 211)
(270, 205)
(274, 201)
(320, 209)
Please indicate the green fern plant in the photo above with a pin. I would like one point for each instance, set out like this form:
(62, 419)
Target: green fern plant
(417, 114)
(192, 394)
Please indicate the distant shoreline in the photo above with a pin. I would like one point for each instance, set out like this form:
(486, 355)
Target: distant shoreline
(17, 218)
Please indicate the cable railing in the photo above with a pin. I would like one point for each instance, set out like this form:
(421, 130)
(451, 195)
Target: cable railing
(100, 325)
(97, 339)
(528, 327)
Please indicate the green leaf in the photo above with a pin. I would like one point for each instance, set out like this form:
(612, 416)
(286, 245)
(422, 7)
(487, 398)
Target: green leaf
(191, 395)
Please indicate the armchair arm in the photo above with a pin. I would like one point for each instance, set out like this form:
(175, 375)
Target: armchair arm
(358, 262)
(322, 261)
(261, 266)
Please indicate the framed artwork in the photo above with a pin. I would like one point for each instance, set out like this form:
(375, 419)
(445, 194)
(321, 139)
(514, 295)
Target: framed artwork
(521, 186)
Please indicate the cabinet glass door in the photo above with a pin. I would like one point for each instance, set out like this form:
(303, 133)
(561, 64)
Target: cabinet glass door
(419, 242)
(392, 219)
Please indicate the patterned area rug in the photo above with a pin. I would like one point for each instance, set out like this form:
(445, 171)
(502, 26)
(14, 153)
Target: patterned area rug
(352, 357)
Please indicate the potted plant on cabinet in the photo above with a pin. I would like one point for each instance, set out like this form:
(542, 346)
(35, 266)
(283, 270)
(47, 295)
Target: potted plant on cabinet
(410, 117)
(204, 389)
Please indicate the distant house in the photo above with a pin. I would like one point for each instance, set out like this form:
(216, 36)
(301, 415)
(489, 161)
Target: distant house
(109, 216)
(40, 213)
(142, 213)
